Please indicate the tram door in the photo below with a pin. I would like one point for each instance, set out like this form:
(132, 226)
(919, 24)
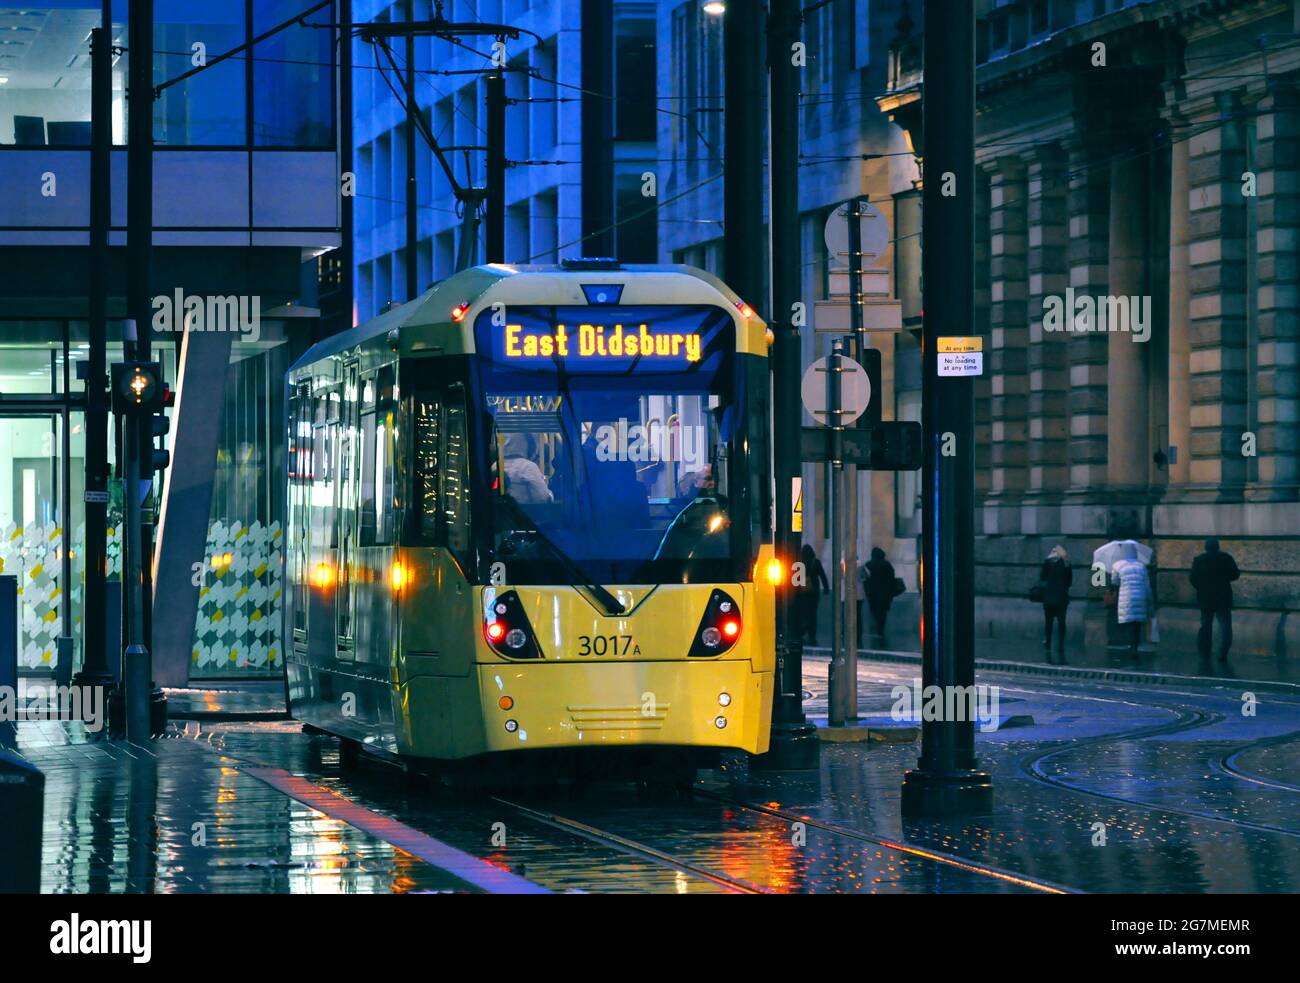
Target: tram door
(349, 462)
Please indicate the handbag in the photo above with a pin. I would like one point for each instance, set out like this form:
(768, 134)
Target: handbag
(899, 586)
(1110, 598)
(1037, 592)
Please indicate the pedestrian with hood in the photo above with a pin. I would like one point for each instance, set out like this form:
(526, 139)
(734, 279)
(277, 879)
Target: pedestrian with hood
(1133, 607)
(1053, 592)
(808, 593)
(1212, 575)
(882, 586)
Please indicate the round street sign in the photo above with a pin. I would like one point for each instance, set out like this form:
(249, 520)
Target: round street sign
(855, 391)
(875, 235)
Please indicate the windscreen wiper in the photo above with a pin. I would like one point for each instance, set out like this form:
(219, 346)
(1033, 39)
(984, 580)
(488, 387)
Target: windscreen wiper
(610, 603)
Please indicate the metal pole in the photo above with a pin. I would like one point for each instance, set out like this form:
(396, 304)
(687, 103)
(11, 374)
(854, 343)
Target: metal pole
(946, 779)
(849, 507)
(412, 200)
(135, 658)
(94, 657)
(495, 244)
(345, 154)
(837, 682)
(794, 741)
(857, 344)
(139, 434)
(597, 75)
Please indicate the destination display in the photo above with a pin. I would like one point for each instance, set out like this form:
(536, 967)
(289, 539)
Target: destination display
(670, 338)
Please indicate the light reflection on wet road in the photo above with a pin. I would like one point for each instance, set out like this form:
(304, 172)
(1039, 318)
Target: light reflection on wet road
(1197, 798)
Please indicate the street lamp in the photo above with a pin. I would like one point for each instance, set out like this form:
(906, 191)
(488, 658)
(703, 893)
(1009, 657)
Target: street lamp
(715, 7)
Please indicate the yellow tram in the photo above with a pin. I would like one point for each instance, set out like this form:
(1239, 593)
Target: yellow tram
(530, 512)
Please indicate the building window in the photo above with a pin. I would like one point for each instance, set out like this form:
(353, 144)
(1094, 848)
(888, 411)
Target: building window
(293, 81)
(207, 109)
(635, 117)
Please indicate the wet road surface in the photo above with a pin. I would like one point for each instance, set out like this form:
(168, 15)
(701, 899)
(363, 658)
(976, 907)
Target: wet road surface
(1098, 787)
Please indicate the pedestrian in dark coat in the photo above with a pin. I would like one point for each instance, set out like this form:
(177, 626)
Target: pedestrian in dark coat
(1055, 579)
(1212, 575)
(808, 594)
(880, 585)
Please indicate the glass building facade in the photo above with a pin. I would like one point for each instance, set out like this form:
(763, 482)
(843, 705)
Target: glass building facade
(246, 203)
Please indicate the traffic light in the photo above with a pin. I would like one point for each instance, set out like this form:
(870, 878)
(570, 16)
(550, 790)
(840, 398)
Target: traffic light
(137, 387)
(159, 425)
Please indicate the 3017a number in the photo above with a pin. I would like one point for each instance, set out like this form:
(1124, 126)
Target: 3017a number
(600, 645)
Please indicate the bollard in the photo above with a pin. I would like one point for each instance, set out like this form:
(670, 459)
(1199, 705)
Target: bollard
(22, 804)
(136, 684)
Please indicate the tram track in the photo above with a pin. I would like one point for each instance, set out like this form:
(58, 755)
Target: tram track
(932, 856)
(1227, 762)
(631, 847)
(1033, 765)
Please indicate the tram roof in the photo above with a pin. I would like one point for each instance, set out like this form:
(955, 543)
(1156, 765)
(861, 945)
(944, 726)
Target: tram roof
(432, 309)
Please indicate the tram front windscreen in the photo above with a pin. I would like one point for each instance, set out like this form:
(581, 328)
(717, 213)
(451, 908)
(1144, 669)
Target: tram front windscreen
(616, 433)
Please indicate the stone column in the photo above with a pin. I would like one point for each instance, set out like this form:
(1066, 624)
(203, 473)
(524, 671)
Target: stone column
(1088, 203)
(1049, 373)
(1180, 398)
(1217, 271)
(1127, 437)
(1005, 362)
(1278, 356)
(983, 388)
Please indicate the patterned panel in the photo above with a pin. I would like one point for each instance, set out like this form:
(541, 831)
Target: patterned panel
(237, 627)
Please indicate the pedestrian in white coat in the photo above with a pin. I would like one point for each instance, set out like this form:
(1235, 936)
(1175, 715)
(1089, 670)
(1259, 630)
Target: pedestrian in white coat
(1134, 605)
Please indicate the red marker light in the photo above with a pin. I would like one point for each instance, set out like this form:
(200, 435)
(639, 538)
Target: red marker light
(731, 628)
(745, 309)
(495, 631)
(458, 312)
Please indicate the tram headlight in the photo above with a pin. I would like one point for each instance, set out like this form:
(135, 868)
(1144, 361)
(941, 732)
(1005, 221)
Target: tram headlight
(516, 638)
(719, 628)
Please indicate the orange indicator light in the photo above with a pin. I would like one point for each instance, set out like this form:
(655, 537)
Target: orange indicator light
(505, 703)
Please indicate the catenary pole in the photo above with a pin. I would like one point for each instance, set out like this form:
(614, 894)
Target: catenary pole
(794, 741)
(946, 779)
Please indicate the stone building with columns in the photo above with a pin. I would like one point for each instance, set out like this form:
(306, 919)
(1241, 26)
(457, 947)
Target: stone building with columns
(1145, 150)
(1134, 150)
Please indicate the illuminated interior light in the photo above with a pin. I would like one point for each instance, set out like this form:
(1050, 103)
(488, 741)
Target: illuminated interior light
(715, 8)
(715, 523)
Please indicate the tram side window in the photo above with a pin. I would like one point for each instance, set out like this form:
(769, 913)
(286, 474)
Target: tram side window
(455, 473)
(369, 455)
(426, 420)
(440, 471)
(385, 463)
